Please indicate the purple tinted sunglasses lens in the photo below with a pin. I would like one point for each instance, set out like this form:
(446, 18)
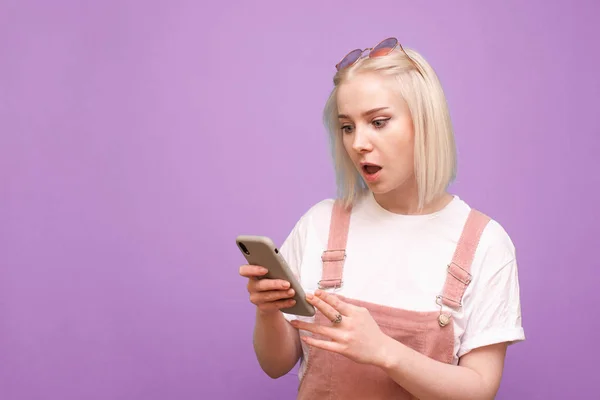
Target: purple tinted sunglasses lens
(350, 59)
(384, 47)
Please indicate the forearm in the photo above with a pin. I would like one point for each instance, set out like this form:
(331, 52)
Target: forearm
(427, 378)
(276, 343)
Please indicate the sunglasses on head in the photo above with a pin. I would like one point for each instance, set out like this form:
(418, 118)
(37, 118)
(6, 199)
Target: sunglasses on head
(384, 48)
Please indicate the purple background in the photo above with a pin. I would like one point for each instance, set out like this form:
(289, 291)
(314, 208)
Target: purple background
(138, 139)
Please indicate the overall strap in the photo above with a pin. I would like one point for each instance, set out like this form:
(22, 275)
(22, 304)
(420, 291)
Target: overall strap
(459, 271)
(333, 258)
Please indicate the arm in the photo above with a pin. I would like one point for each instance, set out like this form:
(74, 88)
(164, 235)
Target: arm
(476, 377)
(359, 338)
(494, 320)
(276, 343)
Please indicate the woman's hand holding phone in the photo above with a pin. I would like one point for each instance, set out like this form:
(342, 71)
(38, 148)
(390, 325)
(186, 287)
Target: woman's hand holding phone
(268, 295)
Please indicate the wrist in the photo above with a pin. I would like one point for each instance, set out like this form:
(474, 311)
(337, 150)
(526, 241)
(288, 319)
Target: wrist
(389, 354)
(267, 315)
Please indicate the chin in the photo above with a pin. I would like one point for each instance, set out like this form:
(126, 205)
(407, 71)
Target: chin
(383, 187)
(378, 187)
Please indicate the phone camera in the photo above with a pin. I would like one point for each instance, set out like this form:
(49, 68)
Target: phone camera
(244, 249)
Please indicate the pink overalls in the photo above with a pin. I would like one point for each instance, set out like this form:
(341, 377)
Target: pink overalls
(332, 376)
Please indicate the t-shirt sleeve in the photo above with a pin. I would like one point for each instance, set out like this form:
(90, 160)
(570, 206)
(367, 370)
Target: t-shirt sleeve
(494, 314)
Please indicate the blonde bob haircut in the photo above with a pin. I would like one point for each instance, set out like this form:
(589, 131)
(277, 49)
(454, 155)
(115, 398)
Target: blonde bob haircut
(435, 149)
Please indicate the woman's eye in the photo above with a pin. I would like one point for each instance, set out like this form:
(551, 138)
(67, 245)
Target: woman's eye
(346, 129)
(380, 123)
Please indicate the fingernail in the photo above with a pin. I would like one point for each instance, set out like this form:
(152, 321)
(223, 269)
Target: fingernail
(309, 296)
(291, 291)
(285, 285)
(318, 292)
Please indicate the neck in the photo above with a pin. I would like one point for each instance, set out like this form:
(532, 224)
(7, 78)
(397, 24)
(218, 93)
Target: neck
(406, 201)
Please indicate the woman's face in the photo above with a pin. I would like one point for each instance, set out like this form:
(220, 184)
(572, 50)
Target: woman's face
(377, 132)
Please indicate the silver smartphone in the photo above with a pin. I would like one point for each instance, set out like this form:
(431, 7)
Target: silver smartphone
(261, 251)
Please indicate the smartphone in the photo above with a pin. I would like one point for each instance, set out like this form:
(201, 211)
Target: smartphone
(261, 251)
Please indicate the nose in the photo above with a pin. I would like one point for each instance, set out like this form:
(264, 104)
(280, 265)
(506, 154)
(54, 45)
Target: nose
(362, 142)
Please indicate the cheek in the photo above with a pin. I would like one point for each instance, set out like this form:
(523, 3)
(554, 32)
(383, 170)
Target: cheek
(401, 149)
(347, 143)
(404, 141)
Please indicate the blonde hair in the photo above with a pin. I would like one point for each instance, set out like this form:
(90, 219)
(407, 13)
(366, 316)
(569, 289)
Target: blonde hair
(435, 149)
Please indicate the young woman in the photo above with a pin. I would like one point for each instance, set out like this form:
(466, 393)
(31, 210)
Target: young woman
(417, 293)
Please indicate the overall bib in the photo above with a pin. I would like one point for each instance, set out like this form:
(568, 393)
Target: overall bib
(332, 376)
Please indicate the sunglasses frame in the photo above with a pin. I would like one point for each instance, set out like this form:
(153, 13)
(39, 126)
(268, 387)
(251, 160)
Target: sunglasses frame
(370, 49)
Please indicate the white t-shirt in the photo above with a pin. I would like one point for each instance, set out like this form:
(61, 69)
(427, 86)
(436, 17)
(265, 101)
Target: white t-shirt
(401, 261)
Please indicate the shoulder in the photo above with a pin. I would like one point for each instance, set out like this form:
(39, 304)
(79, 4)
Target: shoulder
(495, 249)
(494, 265)
(322, 208)
(311, 226)
(494, 240)
(496, 244)
(316, 216)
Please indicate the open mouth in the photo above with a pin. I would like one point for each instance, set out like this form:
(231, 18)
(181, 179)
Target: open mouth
(371, 169)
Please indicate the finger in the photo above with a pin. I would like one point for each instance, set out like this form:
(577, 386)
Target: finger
(334, 302)
(252, 271)
(273, 295)
(331, 333)
(276, 305)
(323, 344)
(266, 285)
(326, 308)
(271, 284)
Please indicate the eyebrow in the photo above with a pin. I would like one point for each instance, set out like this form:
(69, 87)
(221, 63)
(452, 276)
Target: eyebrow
(366, 113)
